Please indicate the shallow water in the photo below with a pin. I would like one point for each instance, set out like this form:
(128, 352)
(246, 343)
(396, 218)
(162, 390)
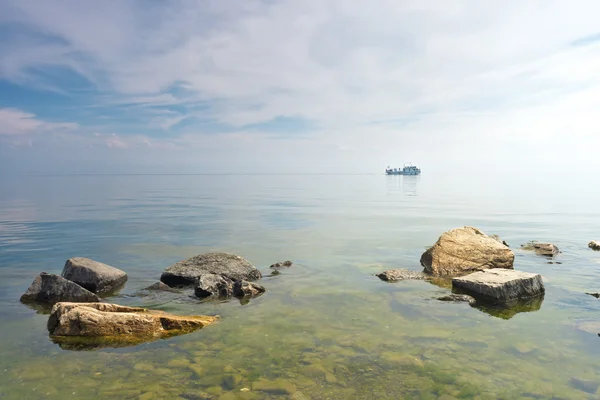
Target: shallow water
(326, 328)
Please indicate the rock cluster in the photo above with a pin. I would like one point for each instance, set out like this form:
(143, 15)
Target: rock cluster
(283, 264)
(79, 312)
(81, 280)
(230, 266)
(594, 245)
(481, 266)
(215, 275)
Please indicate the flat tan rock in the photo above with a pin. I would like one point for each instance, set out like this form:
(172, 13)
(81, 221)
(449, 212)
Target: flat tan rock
(104, 320)
(464, 250)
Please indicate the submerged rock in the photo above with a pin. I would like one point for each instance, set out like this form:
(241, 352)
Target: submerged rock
(112, 320)
(93, 275)
(247, 289)
(400, 274)
(458, 298)
(594, 245)
(157, 289)
(464, 250)
(500, 285)
(50, 289)
(211, 285)
(281, 264)
(230, 266)
(159, 286)
(543, 249)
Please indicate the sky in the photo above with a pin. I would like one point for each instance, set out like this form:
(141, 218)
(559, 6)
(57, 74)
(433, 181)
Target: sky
(308, 86)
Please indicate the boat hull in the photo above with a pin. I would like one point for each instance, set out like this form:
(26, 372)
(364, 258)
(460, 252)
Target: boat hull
(402, 173)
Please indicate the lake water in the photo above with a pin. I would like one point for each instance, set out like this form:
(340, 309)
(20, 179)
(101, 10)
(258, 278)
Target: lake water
(326, 328)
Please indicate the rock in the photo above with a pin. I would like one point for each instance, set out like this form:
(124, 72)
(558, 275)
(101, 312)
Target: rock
(394, 275)
(596, 295)
(112, 320)
(211, 285)
(500, 285)
(187, 272)
(543, 249)
(93, 275)
(594, 245)
(51, 289)
(497, 239)
(464, 250)
(275, 272)
(247, 289)
(159, 286)
(457, 298)
(282, 264)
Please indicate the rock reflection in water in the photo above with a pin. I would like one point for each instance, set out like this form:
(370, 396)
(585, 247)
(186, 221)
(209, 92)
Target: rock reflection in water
(80, 343)
(507, 311)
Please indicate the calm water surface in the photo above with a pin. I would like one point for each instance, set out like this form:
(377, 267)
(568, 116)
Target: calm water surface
(326, 328)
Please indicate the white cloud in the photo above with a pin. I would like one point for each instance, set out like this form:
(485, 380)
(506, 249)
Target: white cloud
(17, 122)
(436, 79)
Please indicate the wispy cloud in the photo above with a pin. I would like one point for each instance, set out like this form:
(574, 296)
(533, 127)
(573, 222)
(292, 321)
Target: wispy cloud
(17, 122)
(411, 74)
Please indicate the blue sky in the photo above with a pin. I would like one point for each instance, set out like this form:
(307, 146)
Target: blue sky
(289, 86)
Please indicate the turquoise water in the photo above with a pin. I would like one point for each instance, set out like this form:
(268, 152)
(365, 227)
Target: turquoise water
(326, 328)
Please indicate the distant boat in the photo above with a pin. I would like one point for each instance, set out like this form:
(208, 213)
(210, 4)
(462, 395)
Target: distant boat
(408, 169)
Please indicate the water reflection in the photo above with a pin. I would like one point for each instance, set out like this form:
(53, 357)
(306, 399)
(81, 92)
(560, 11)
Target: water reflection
(507, 311)
(410, 184)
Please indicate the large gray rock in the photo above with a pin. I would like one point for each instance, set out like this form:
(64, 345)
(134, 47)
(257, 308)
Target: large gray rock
(50, 289)
(230, 266)
(542, 249)
(464, 250)
(211, 285)
(500, 285)
(93, 275)
(594, 245)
